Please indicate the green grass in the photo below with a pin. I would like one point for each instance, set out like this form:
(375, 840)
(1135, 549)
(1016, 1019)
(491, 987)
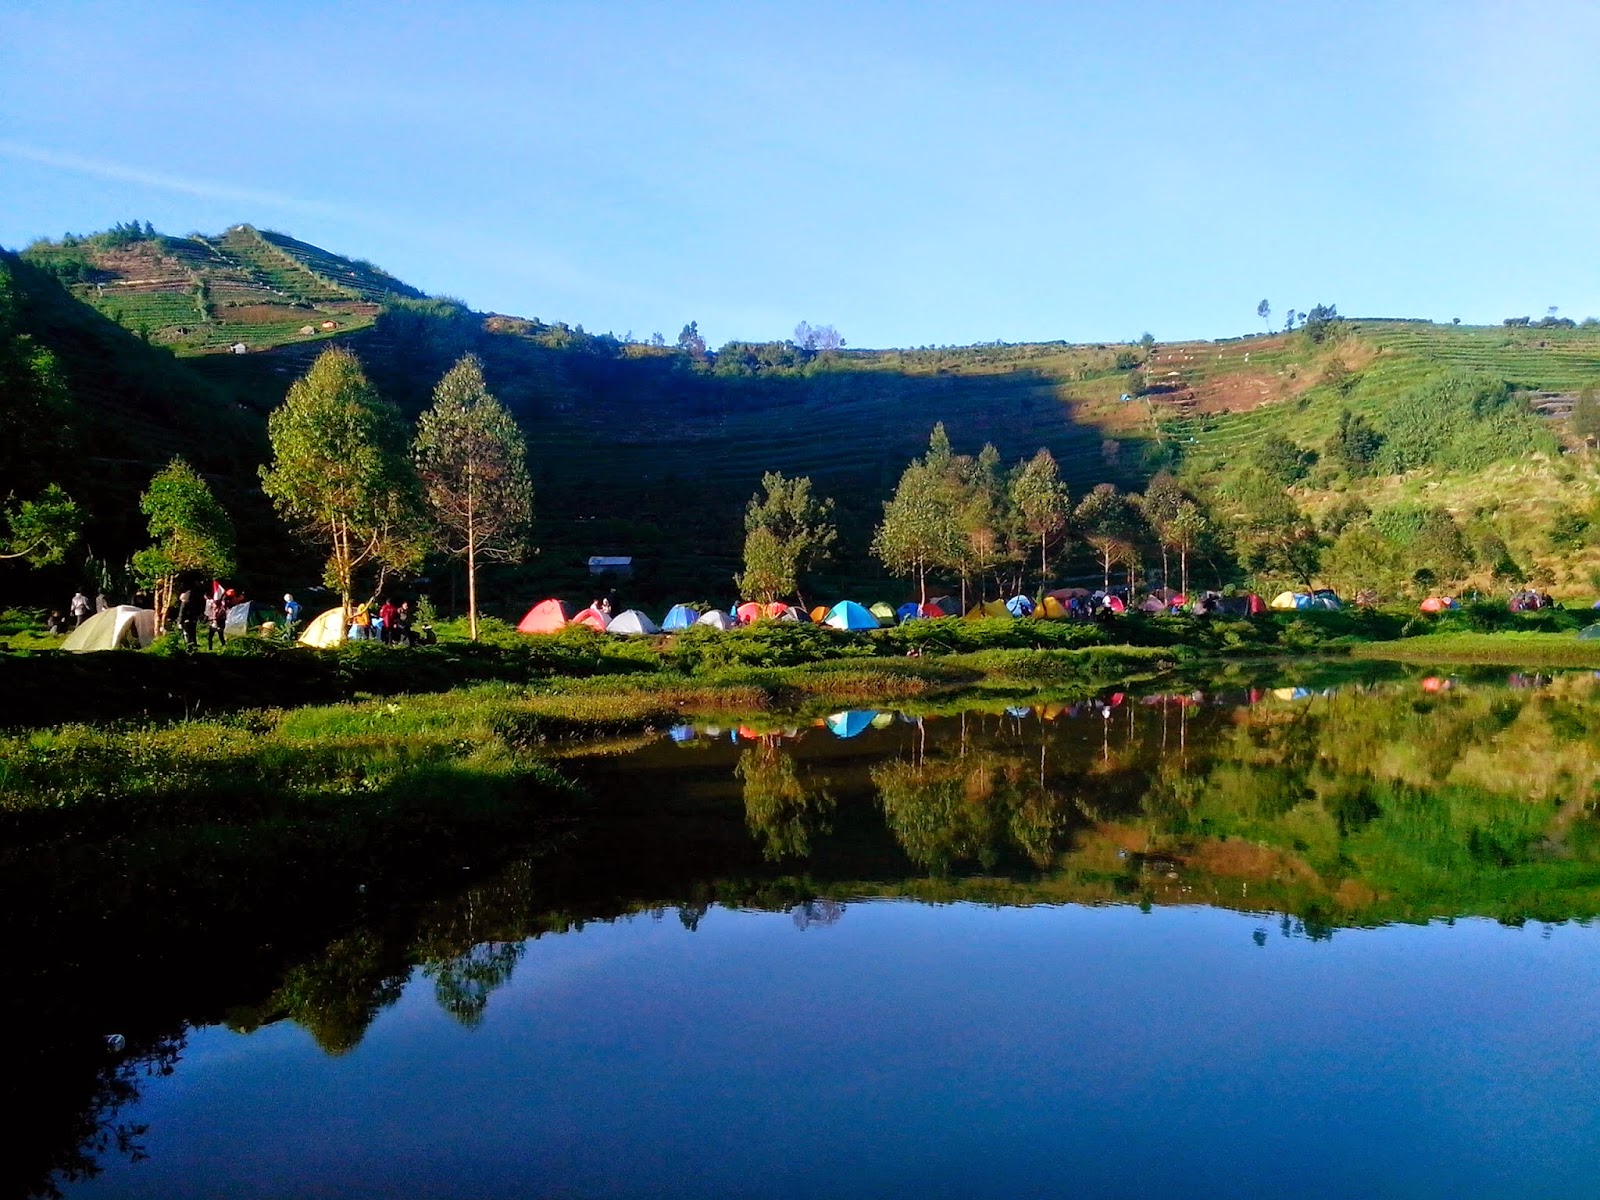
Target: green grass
(1507, 649)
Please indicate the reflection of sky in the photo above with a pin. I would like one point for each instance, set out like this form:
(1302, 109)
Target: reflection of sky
(942, 1051)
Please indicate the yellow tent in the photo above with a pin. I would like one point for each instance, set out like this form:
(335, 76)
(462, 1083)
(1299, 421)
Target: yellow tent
(110, 628)
(1284, 600)
(1051, 608)
(326, 630)
(995, 608)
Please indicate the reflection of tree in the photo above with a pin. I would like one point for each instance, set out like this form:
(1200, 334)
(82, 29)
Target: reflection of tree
(974, 809)
(336, 997)
(777, 806)
(462, 984)
(820, 911)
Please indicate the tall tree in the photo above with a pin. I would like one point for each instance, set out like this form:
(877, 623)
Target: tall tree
(1272, 533)
(1264, 311)
(1041, 503)
(473, 463)
(921, 529)
(192, 533)
(42, 530)
(340, 472)
(1160, 503)
(787, 531)
(1109, 521)
(1185, 529)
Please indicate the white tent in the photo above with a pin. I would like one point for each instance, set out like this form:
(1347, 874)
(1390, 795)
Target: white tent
(632, 621)
(113, 628)
(717, 619)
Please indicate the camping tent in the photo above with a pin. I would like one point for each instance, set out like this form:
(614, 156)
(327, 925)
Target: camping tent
(1065, 594)
(326, 630)
(1019, 606)
(749, 612)
(248, 615)
(848, 724)
(716, 619)
(1152, 604)
(547, 616)
(593, 618)
(679, 616)
(632, 621)
(1433, 604)
(776, 611)
(784, 612)
(1286, 600)
(112, 628)
(909, 611)
(847, 614)
(883, 612)
(994, 608)
(1115, 604)
(949, 605)
(819, 614)
(1326, 598)
(1589, 633)
(1256, 606)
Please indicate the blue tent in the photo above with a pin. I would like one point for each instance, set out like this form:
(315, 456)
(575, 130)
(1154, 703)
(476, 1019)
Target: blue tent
(680, 617)
(1019, 606)
(847, 614)
(909, 611)
(848, 724)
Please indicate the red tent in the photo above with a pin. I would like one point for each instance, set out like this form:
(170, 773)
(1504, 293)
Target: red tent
(1115, 604)
(775, 610)
(593, 618)
(547, 616)
(749, 612)
(1432, 605)
(1257, 605)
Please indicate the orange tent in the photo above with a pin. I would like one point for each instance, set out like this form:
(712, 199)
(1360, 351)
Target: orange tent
(545, 617)
(819, 614)
(1433, 604)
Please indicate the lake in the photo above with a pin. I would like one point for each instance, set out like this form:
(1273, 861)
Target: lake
(1314, 938)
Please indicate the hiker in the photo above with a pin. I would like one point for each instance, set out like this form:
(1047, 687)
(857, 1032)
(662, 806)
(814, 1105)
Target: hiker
(55, 622)
(189, 611)
(216, 612)
(360, 624)
(79, 608)
(386, 615)
(291, 614)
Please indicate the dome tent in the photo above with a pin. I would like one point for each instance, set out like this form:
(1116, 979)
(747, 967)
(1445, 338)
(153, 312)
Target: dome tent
(325, 630)
(1019, 606)
(716, 619)
(632, 622)
(847, 614)
(749, 612)
(547, 616)
(1286, 600)
(680, 616)
(593, 618)
(993, 608)
(247, 615)
(883, 612)
(112, 628)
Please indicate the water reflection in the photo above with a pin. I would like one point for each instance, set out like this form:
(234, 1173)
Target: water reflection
(1308, 807)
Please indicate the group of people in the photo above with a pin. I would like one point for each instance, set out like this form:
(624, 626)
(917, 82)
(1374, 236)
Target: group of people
(197, 606)
(390, 623)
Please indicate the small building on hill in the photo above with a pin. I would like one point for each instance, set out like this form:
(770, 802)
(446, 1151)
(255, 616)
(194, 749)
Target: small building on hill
(601, 564)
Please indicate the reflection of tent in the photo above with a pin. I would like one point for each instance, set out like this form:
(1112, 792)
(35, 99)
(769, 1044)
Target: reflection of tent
(1590, 633)
(681, 733)
(593, 618)
(547, 616)
(847, 614)
(716, 619)
(994, 608)
(848, 724)
(680, 616)
(749, 612)
(632, 621)
(1286, 600)
(1115, 604)
(326, 630)
(248, 615)
(1019, 606)
(883, 612)
(819, 614)
(113, 627)
(883, 720)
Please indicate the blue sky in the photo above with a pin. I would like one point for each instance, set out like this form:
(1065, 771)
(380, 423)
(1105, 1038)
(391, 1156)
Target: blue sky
(911, 173)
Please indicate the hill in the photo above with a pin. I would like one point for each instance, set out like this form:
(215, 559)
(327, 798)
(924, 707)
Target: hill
(652, 450)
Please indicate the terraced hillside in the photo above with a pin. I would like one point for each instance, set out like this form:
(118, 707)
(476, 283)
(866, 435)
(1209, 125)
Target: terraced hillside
(652, 452)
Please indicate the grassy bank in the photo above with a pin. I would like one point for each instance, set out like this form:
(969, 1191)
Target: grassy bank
(1488, 649)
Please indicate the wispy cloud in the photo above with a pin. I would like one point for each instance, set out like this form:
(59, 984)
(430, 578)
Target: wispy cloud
(143, 177)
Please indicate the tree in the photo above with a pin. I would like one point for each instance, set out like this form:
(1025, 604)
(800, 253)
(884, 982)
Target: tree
(1040, 500)
(1187, 526)
(1321, 323)
(191, 531)
(1162, 496)
(787, 531)
(690, 341)
(340, 472)
(1280, 460)
(1585, 419)
(1148, 341)
(1108, 521)
(1272, 533)
(921, 529)
(1264, 311)
(472, 461)
(42, 530)
(1355, 443)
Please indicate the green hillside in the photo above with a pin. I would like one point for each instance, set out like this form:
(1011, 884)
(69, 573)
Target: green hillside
(184, 344)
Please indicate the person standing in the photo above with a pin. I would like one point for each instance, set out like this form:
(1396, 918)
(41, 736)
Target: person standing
(291, 615)
(386, 614)
(217, 620)
(100, 602)
(79, 609)
(190, 608)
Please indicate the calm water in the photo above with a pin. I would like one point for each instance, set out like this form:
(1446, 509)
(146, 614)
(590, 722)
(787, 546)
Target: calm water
(1301, 941)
